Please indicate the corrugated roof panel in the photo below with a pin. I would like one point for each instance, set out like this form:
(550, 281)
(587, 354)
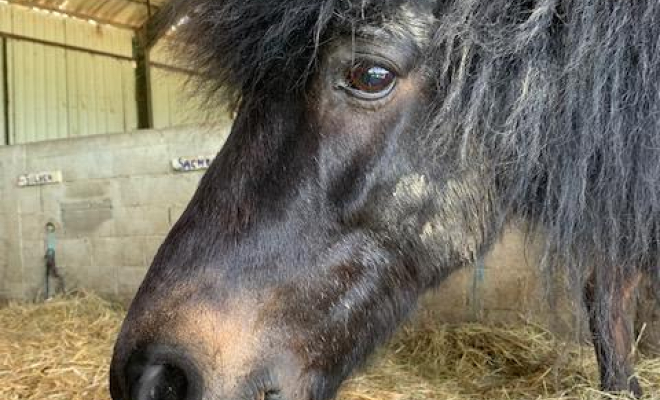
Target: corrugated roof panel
(36, 91)
(160, 98)
(5, 18)
(101, 38)
(3, 121)
(37, 25)
(173, 104)
(128, 94)
(58, 93)
(98, 102)
(62, 108)
(69, 31)
(161, 54)
(126, 12)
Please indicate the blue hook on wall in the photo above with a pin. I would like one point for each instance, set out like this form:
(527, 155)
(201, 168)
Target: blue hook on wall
(51, 266)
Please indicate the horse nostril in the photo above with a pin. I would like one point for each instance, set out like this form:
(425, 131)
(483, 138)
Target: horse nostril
(161, 374)
(161, 382)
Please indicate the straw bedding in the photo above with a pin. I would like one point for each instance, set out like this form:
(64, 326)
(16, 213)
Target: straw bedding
(61, 349)
(57, 350)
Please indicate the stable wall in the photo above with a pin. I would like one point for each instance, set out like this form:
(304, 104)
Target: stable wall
(118, 198)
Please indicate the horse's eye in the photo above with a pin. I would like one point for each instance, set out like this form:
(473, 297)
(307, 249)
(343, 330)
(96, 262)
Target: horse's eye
(369, 81)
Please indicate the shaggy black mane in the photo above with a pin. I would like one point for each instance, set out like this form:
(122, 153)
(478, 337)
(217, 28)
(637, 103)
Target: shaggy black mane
(561, 97)
(564, 98)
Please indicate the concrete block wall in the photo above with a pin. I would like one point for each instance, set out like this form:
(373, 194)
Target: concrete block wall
(506, 286)
(510, 288)
(118, 199)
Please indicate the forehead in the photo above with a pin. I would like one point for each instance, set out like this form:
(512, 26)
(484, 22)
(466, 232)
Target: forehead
(409, 21)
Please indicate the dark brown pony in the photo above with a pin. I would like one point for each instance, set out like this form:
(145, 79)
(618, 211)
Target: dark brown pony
(378, 147)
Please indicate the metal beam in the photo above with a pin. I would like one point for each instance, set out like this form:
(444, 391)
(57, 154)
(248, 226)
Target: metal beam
(145, 38)
(156, 26)
(64, 46)
(140, 2)
(143, 93)
(171, 68)
(5, 88)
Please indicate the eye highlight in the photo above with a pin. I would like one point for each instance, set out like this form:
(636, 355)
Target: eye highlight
(369, 81)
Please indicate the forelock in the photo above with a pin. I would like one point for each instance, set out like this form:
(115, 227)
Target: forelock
(263, 48)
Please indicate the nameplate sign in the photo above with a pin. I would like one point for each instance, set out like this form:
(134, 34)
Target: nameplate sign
(40, 178)
(188, 164)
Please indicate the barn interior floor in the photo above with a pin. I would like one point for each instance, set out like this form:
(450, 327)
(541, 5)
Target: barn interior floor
(61, 349)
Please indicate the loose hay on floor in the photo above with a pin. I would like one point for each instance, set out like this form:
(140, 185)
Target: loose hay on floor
(57, 350)
(61, 350)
